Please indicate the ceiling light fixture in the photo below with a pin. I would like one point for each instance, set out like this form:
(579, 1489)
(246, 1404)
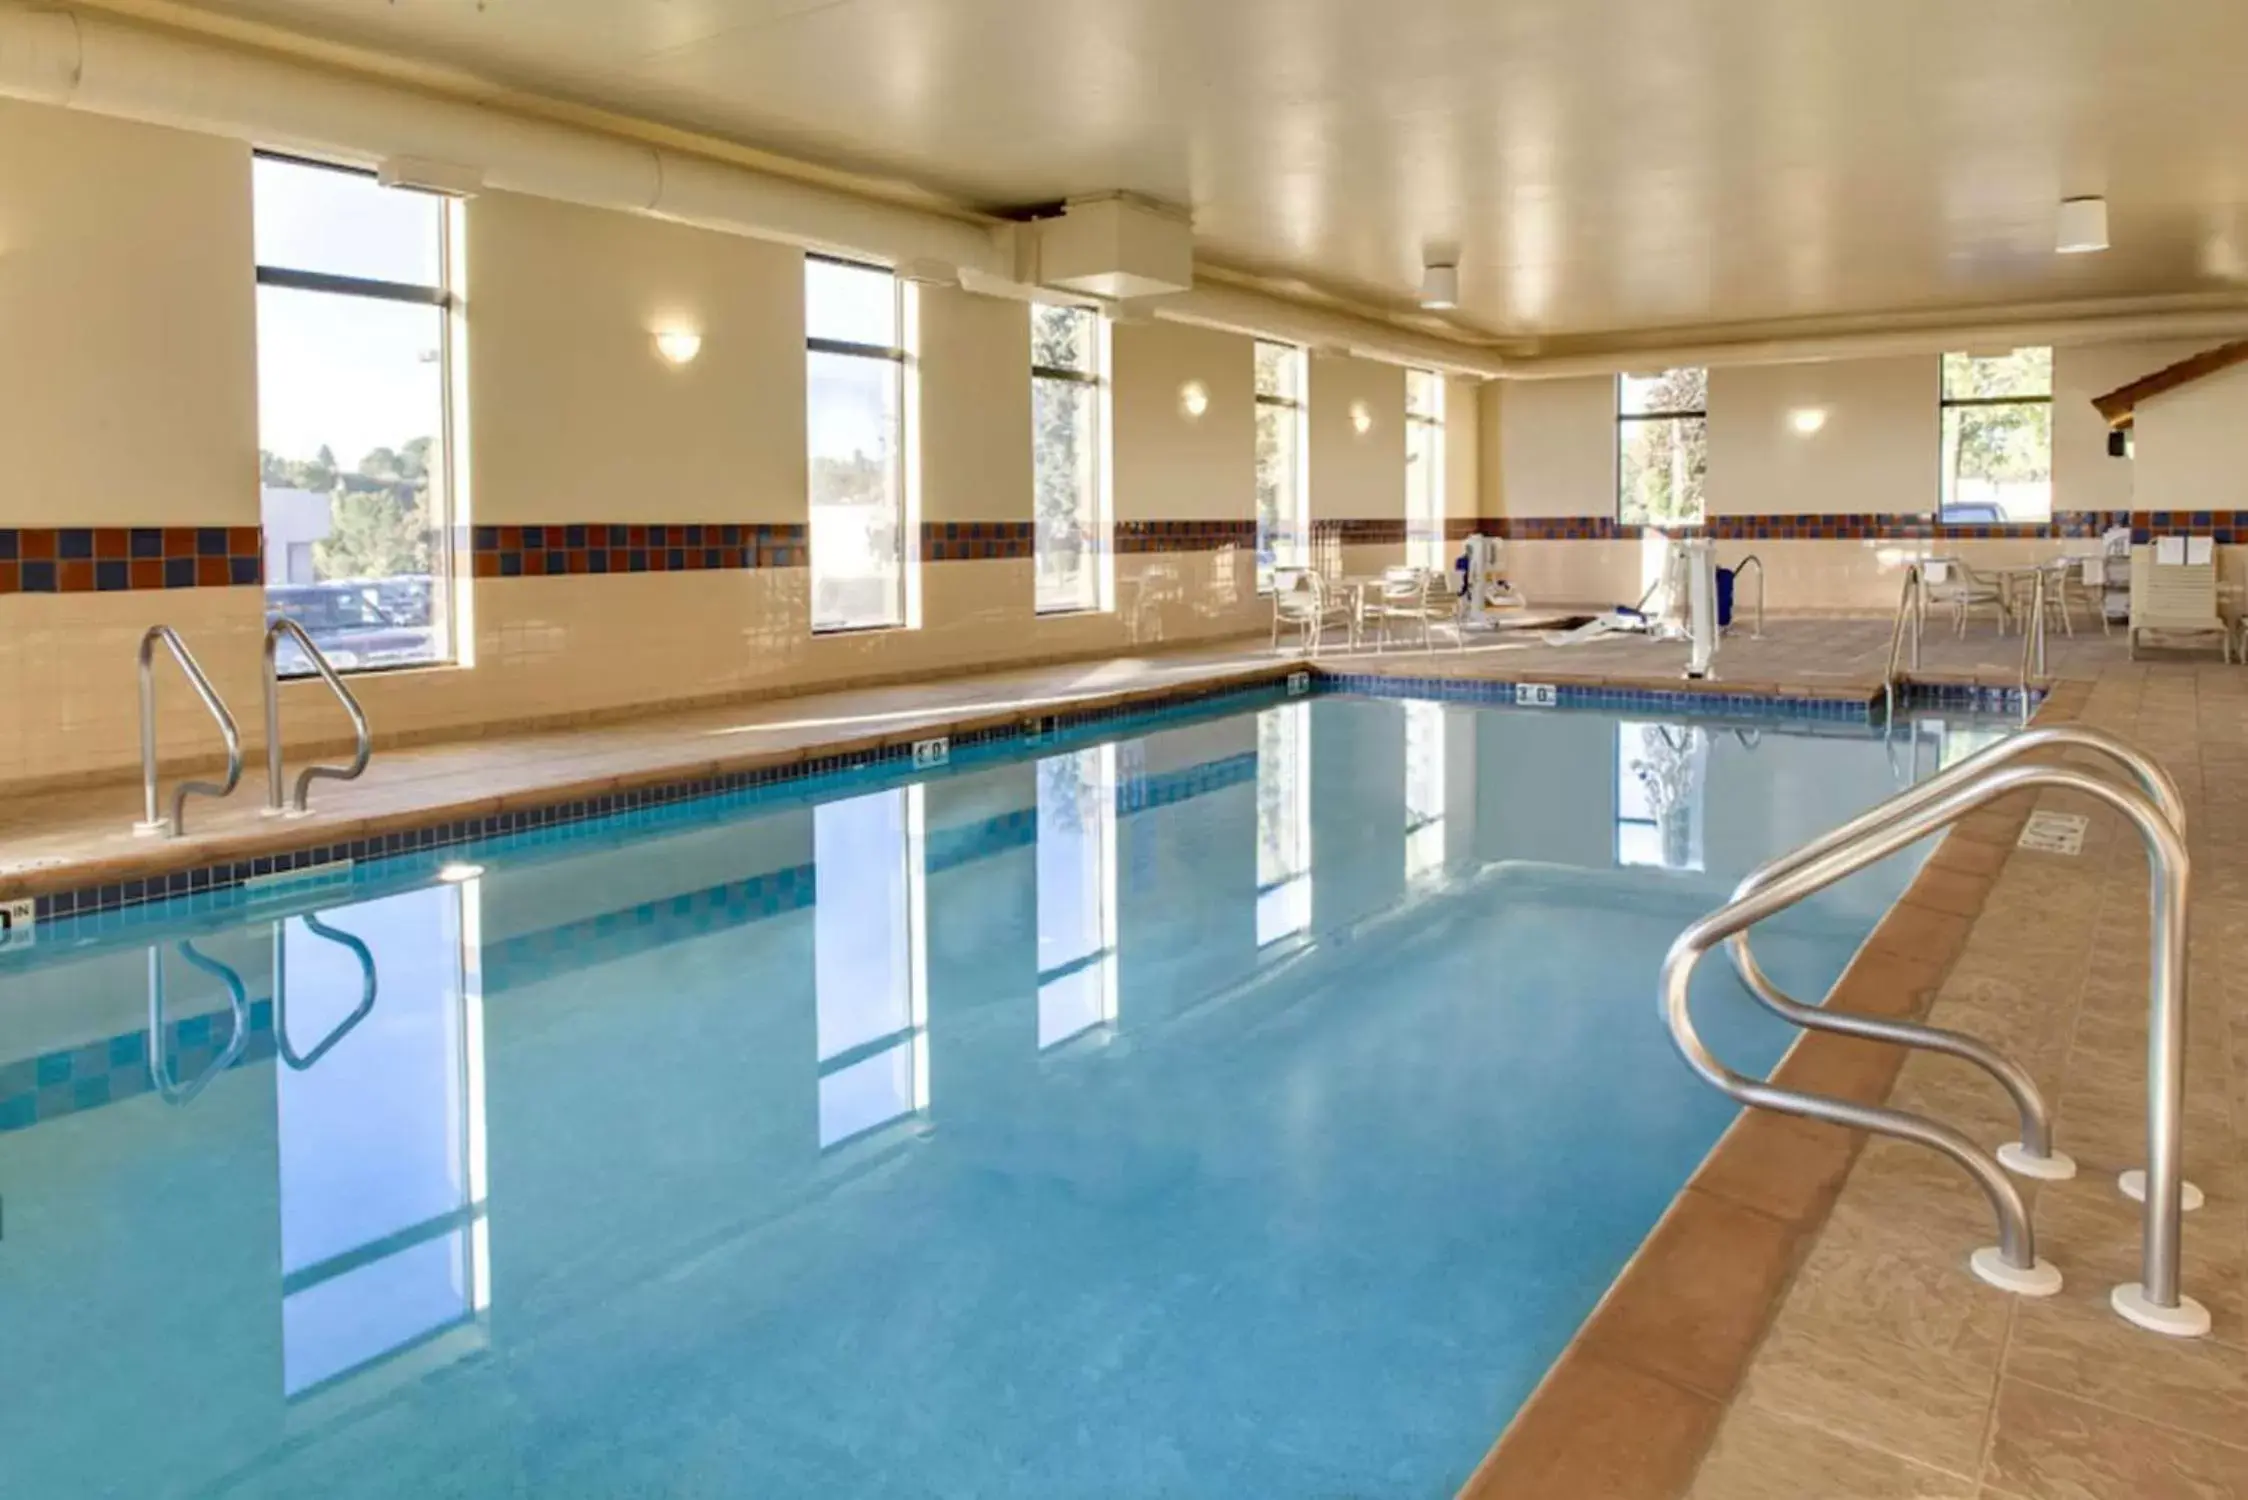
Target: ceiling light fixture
(2082, 226)
(678, 346)
(1440, 286)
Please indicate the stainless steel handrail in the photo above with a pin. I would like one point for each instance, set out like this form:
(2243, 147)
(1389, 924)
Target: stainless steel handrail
(2033, 643)
(176, 824)
(366, 742)
(367, 989)
(2153, 1302)
(2033, 1155)
(1756, 631)
(1912, 603)
(238, 998)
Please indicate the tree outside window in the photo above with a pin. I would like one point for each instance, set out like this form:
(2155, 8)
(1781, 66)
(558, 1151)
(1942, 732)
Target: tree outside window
(1998, 438)
(1071, 540)
(1662, 447)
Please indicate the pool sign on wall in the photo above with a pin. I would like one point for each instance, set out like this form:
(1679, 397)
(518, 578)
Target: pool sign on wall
(17, 921)
(936, 752)
(1535, 695)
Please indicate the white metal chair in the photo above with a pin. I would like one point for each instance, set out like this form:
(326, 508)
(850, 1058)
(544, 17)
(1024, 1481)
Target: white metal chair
(1413, 598)
(1302, 601)
(1952, 583)
(2175, 599)
(2060, 574)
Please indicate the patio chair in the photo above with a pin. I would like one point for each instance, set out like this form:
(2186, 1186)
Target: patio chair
(2175, 599)
(1952, 583)
(1302, 601)
(1404, 597)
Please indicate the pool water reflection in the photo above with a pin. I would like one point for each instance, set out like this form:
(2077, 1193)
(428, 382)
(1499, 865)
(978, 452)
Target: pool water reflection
(1252, 1106)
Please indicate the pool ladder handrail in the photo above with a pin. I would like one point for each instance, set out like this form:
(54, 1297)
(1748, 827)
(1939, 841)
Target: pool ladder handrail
(1756, 630)
(364, 738)
(2033, 644)
(151, 822)
(2155, 1301)
(238, 999)
(2033, 1155)
(368, 986)
(1912, 605)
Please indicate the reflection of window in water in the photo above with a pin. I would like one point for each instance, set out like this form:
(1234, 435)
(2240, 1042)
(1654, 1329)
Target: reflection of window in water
(1660, 780)
(1955, 742)
(869, 970)
(1076, 893)
(1283, 822)
(1424, 788)
(381, 1132)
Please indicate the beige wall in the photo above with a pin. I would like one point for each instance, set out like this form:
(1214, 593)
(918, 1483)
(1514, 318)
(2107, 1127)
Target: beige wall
(128, 332)
(2191, 446)
(1557, 447)
(1356, 475)
(574, 415)
(1876, 452)
(1171, 465)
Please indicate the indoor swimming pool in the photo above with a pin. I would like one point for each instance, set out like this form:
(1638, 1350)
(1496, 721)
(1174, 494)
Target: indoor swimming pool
(1230, 1103)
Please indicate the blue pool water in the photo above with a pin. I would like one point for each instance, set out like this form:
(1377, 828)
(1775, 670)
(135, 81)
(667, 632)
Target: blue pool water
(1251, 1104)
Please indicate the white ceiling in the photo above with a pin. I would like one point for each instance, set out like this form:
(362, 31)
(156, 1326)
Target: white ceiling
(1599, 165)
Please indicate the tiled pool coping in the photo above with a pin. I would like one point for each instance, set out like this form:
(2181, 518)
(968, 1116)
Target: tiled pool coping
(161, 870)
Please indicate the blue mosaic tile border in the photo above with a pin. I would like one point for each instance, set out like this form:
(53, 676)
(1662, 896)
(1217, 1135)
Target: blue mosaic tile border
(1032, 728)
(39, 1089)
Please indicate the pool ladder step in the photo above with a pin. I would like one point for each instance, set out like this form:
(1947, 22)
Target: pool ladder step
(2153, 806)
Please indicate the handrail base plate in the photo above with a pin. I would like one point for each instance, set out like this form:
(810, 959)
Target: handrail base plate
(152, 830)
(2133, 1185)
(2188, 1320)
(2018, 1159)
(2042, 1279)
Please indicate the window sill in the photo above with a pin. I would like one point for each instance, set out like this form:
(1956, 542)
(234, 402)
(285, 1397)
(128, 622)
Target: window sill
(1066, 611)
(395, 669)
(823, 631)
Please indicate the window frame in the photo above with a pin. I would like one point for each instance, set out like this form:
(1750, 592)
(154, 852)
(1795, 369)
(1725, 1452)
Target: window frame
(1430, 545)
(1104, 519)
(448, 519)
(1300, 469)
(1947, 403)
(900, 357)
(1616, 456)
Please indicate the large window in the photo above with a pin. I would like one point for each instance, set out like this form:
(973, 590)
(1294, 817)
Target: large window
(1998, 438)
(1662, 447)
(1065, 433)
(354, 322)
(1424, 469)
(1283, 510)
(854, 319)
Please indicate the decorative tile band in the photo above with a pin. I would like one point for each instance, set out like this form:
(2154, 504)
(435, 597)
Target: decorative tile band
(594, 547)
(977, 541)
(113, 559)
(2226, 526)
(1376, 531)
(1183, 536)
(115, 901)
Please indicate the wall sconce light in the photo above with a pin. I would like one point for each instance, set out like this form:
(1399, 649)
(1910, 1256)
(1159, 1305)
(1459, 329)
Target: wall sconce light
(1361, 418)
(1194, 398)
(1807, 419)
(678, 346)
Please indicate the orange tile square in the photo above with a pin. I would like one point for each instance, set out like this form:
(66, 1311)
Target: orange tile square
(75, 576)
(112, 542)
(36, 543)
(211, 572)
(146, 573)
